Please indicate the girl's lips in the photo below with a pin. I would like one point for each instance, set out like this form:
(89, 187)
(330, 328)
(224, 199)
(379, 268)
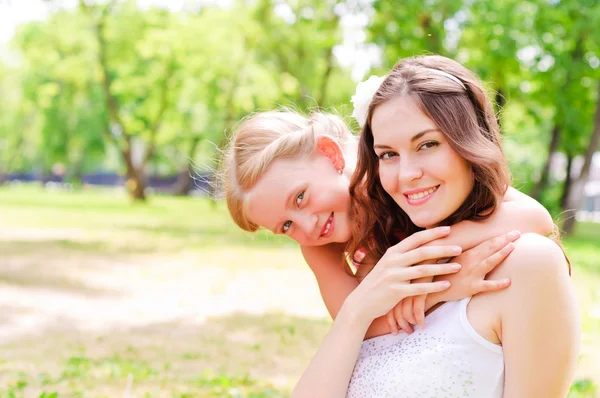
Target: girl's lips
(420, 197)
(328, 228)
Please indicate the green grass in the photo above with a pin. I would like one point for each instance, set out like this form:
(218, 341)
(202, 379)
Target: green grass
(96, 246)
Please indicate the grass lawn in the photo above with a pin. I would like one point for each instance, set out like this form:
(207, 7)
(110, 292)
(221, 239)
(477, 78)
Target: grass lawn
(101, 297)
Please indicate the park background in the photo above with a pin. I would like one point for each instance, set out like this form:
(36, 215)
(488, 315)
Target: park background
(121, 273)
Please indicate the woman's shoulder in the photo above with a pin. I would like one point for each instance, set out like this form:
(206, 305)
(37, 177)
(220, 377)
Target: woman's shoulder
(536, 267)
(535, 254)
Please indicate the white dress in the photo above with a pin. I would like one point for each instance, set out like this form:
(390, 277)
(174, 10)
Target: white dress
(447, 358)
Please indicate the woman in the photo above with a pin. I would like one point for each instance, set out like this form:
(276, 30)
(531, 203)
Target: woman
(290, 174)
(430, 155)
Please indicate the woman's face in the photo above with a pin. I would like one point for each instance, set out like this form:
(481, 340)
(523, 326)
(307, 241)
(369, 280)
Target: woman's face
(417, 166)
(306, 199)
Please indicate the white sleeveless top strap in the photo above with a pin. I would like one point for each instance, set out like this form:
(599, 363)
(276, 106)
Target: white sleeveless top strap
(447, 358)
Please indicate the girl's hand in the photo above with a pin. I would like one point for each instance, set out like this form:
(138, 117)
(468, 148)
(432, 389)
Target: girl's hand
(476, 264)
(389, 281)
(396, 319)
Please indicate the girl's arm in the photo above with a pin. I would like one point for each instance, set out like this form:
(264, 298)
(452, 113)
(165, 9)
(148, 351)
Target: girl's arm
(517, 212)
(540, 324)
(336, 282)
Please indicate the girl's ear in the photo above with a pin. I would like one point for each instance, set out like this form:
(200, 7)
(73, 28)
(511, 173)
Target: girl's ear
(328, 147)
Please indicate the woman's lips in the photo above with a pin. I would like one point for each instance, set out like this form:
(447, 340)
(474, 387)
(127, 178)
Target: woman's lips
(419, 197)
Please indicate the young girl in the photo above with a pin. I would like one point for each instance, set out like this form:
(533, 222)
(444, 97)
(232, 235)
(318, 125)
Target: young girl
(290, 174)
(430, 155)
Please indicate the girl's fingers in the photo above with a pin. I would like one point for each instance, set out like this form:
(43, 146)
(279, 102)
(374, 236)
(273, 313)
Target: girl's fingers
(407, 310)
(419, 310)
(428, 253)
(391, 320)
(420, 238)
(402, 322)
(492, 261)
(415, 289)
(420, 271)
(497, 243)
(491, 285)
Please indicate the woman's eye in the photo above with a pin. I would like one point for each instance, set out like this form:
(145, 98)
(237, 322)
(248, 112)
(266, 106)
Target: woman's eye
(429, 144)
(299, 198)
(386, 155)
(286, 226)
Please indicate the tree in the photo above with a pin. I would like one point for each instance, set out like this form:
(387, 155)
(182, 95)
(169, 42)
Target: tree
(135, 55)
(55, 114)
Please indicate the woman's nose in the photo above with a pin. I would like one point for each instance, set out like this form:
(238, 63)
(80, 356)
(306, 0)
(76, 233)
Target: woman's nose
(409, 170)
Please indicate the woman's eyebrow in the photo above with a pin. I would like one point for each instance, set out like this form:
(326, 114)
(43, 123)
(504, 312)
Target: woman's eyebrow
(421, 134)
(413, 139)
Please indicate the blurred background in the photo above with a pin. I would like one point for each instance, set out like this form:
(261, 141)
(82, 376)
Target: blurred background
(122, 275)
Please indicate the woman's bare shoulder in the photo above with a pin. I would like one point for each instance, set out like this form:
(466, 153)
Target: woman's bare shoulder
(536, 266)
(536, 254)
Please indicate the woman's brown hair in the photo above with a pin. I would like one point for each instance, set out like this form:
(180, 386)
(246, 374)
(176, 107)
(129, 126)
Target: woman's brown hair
(454, 99)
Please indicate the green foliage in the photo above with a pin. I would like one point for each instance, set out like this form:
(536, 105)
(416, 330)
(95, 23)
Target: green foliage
(111, 81)
(61, 98)
(540, 60)
(179, 81)
(584, 388)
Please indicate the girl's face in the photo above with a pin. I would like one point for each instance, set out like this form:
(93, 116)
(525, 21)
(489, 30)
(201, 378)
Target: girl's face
(306, 199)
(417, 166)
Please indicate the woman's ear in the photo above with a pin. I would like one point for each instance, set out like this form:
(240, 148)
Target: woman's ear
(328, 147)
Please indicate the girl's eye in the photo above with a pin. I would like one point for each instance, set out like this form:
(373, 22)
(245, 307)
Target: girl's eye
(386, 155)
(429, 145)
(299, 198)
(286, 226)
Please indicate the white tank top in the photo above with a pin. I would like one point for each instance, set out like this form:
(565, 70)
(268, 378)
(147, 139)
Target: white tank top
(447, 358)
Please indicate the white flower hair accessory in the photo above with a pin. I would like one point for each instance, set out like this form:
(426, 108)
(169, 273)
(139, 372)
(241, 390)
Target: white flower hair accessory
(363, 96)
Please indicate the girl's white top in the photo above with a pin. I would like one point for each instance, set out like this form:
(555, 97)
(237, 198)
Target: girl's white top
(447, 358)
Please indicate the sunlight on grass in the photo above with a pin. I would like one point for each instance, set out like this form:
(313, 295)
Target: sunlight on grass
(96, 244)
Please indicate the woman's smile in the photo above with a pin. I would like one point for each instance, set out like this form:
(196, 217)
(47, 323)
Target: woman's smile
(420, 196)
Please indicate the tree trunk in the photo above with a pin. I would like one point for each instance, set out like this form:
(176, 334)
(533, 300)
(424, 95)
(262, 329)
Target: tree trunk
(568, 183)
(76, 171)
(228, 123)
(576, 197)
(433, 38)
(184, 183)
(543, 181)
(326, 76)
(135, 184)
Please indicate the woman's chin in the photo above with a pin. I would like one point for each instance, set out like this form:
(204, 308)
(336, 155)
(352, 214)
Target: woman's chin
(426, 220)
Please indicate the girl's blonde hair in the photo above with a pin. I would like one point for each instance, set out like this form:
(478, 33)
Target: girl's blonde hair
(264, 137)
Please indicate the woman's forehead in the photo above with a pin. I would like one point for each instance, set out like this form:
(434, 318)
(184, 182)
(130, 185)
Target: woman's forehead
(399, 118)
